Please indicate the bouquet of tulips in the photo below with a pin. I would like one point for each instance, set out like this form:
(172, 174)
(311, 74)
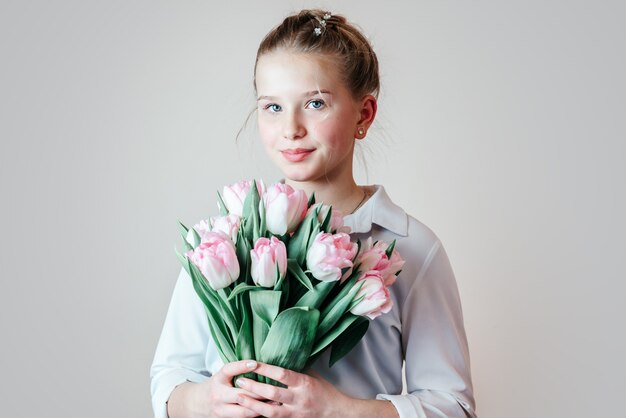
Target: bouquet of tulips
(281, 280)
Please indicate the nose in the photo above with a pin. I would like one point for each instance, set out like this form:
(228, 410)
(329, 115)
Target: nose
(293, 128)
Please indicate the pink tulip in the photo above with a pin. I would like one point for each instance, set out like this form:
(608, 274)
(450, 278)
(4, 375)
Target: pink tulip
(202, 228)
(234, 195)
(376, 298)
(216, 259)
(374, 257)
(329, 254)
(336, 218)
(269, 261)
(285, 208)
(228, 224)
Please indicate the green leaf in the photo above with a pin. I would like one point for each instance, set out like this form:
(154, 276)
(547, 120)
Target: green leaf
(222, 205)
(251, 217)
(346, 341)
(183, 261)
(231, 317)
(187, 246)
(262, 218)
(183, 230)
(241, 288)
(326, 223)
(311, 200)
(196, 238)
(298, 242)
(294, 268)
(226, 352)
(216, 301)
(333, 313)
(326, 340)
(245, 344)
(290, 339)
(389, 250)
(264, 305)
(218, 328)
(316, 229)
(346, 286)
(242, 249)
(278, 284)
(314, 298)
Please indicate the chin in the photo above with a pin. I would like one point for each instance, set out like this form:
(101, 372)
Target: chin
(298, 175)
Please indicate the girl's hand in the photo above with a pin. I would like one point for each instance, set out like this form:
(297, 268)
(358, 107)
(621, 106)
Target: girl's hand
(305, 395)
(215, 397)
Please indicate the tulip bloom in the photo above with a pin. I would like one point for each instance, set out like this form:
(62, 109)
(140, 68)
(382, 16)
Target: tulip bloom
(329, 254)
(269, 261)
(202, 228)
(234, 195)
(374, 257)
(285, 208)
(228, 224)
(376, 298)
(216, 260)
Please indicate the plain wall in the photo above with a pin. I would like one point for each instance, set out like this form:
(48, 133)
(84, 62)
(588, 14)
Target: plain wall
(501, 126)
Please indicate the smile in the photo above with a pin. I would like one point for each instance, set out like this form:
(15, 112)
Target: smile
(297, 154)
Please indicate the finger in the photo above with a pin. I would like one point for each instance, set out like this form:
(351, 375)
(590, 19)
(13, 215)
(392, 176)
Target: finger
(230, 370)
(284, 376)
(235, 410)
(266, 391)
(230, 395)
(262, 408)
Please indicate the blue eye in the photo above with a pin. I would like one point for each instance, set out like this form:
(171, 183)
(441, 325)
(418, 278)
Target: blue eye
(316, 104)
(273, 107)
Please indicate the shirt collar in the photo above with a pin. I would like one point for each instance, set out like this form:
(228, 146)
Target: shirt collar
(379, 210)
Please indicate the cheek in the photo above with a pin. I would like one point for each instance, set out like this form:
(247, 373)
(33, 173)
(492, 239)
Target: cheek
(334, 133)
(266, 132)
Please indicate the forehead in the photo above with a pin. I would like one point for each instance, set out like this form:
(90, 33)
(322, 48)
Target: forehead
(283, 71)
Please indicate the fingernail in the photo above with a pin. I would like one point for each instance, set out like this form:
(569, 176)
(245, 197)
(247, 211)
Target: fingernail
(239, 382)
(251, 364)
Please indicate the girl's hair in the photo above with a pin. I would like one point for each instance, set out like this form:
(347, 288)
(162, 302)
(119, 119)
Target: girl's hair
(318, 32)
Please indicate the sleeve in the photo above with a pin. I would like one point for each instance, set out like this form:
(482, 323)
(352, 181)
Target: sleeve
(435, 345)
(185, 347)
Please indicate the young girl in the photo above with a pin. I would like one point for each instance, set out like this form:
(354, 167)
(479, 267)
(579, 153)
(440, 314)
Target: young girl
(316, 80)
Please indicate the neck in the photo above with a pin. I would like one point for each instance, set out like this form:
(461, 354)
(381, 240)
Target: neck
(341, 196)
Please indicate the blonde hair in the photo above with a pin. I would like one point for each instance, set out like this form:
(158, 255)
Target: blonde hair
(337, 39)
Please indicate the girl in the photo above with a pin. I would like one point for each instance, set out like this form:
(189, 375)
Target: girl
(316, 79)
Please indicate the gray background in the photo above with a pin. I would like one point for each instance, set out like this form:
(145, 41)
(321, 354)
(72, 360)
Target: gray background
(501, 126)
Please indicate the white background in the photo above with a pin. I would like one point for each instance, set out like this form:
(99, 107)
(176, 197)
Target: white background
(501, 126)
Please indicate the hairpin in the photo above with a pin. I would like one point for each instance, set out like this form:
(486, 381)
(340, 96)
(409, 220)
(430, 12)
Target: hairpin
(322, 21)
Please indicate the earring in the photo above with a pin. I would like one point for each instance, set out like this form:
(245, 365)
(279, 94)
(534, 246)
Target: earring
(361, 131)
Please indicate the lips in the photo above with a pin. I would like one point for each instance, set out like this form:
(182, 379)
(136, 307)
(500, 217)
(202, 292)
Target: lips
(295, 155)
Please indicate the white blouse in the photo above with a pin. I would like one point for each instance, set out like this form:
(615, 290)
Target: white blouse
(424, 330)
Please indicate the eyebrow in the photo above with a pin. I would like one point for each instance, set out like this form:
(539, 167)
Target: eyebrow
(306, 94)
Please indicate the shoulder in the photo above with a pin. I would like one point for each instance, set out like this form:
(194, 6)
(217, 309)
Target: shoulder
(406, 229)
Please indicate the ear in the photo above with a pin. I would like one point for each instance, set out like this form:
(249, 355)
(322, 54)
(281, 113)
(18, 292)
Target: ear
(366, 116)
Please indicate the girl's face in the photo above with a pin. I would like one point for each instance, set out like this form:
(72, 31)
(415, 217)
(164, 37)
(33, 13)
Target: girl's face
(307, 117)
